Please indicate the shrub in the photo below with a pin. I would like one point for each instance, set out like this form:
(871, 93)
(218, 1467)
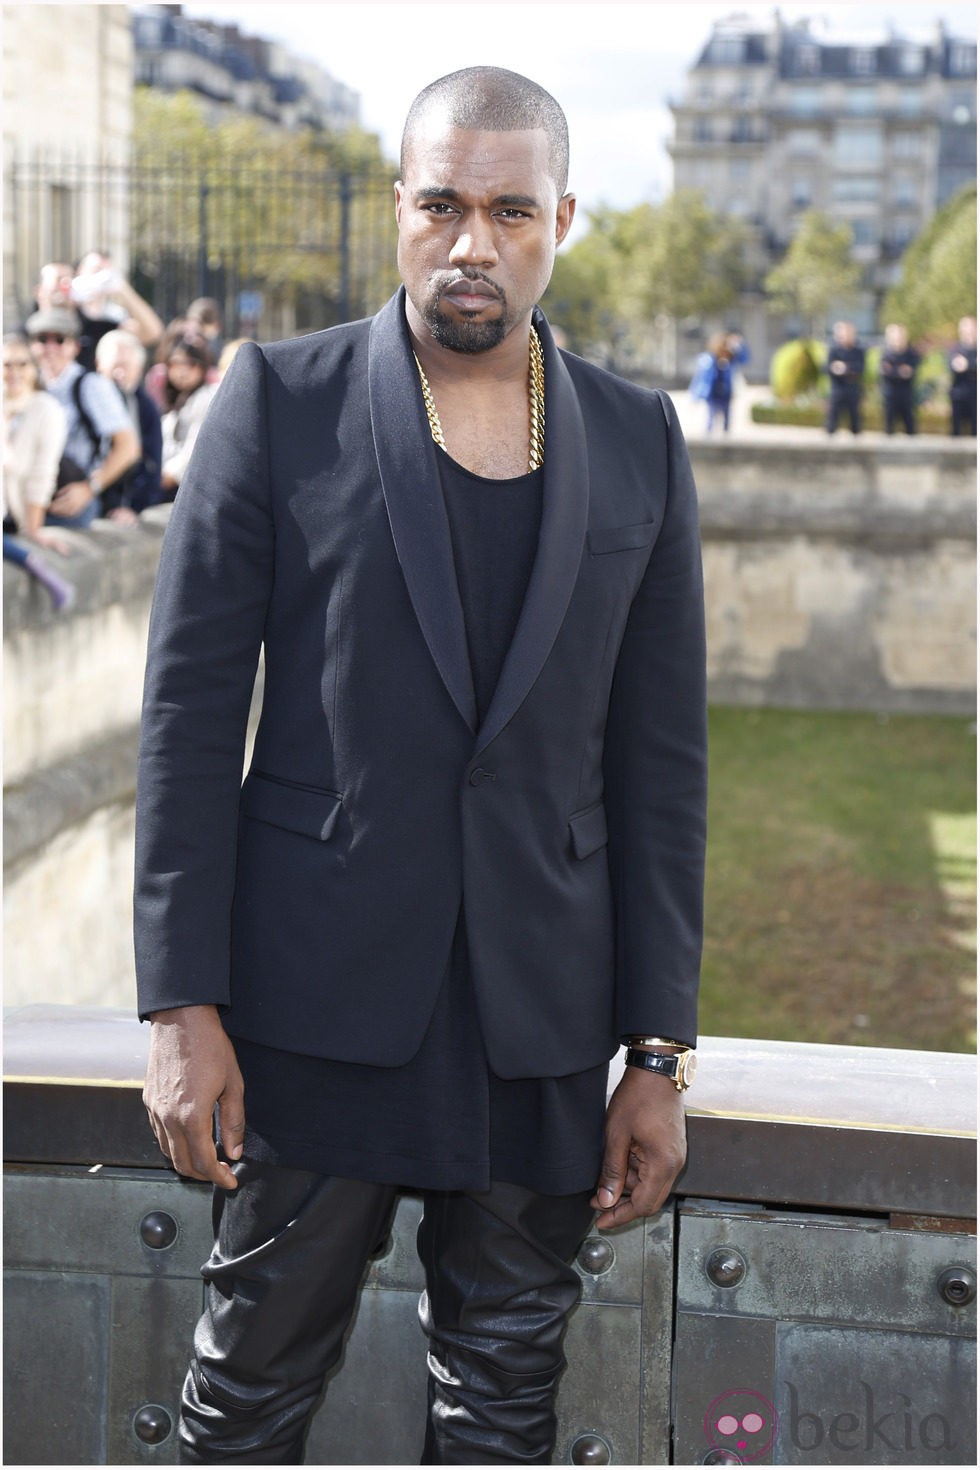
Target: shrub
(795, 368)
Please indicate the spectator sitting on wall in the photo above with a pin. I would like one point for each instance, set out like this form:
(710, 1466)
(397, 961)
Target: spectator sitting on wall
(963, 389)
(101, 444)
(34, 432)
(899, 364)
(121, 357)
(105, 300)
(845, 364)
(187, 395)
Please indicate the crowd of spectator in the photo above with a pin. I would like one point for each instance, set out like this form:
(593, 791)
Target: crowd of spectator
(102, 405)
(898, 365)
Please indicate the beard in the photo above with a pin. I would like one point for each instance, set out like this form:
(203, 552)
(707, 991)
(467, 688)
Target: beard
(466, 334)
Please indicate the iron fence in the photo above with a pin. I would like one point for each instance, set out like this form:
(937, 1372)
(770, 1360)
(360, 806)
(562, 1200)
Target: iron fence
(282, 251)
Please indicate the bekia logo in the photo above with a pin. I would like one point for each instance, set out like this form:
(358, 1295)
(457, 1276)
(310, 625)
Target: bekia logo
(740, 1425)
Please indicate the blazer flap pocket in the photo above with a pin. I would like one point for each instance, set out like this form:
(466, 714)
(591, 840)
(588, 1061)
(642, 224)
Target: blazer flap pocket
(301, 809)
(588, 830)
(620, 538)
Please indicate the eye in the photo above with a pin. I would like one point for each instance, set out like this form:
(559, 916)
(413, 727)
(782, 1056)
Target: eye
(512, 212)
(438, 207)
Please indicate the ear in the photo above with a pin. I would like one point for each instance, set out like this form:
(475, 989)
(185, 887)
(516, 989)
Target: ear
(399, 196)
(564, 215)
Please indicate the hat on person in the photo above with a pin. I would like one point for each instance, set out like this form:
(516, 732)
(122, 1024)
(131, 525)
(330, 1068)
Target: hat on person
(54, 319)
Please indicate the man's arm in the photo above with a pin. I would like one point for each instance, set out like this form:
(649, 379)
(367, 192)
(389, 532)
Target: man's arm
(655, 771)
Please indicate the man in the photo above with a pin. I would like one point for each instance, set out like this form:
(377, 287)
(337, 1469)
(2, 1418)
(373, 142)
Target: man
(963, 375)
(101, 443)
(467, 858)
(103, 298)
(899, 365)
(845, 364)
(121, 358)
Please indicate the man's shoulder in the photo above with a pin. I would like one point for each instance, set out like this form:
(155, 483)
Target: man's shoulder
(331, 342)
(599, 388)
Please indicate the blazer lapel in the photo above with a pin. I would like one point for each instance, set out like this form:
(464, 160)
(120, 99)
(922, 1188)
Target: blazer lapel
(563, 522)
(413, 497)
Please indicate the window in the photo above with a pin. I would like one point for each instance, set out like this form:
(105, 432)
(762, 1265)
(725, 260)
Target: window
(806, 60)
(907, 145)
(910, 101)
(863, 100)
(704, 129)
(864, 62)
(904, 192)
(805, 101)
(727, 50)
(853, 189)
(803, 140)
(858, 143)
(962, 60)
(865, 231)
(801, 193)
(911, 60)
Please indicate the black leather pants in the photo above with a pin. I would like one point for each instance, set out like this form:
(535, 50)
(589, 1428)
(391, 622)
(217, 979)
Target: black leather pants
(290, 1253)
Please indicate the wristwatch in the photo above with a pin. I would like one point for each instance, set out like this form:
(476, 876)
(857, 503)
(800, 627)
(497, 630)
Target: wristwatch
(680, 1066)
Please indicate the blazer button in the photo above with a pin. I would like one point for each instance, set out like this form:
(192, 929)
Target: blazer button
(480, 777)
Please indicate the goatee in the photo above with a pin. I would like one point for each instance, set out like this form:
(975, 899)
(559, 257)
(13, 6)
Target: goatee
(465, 336)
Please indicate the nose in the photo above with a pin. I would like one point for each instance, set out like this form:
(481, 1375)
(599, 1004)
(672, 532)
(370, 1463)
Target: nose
(474, 244)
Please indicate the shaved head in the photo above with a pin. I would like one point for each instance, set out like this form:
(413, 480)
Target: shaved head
(491, 99)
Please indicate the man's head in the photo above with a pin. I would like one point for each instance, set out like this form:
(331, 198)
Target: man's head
(54, 333)
(896, 337)
(481, 205)
(845, 334)
(122, 357)
(53, 285)
(967, 328)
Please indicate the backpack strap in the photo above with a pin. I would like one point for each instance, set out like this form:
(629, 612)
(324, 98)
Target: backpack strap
(87, 424)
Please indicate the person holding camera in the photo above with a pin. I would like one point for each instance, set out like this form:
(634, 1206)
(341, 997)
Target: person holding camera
(103, 299)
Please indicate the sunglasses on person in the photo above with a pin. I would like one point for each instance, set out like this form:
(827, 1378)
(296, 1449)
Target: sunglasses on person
(45, 337)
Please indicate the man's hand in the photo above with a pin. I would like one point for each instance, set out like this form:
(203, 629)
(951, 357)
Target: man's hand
(192, 1067)
(72, 499)
(646, 1146)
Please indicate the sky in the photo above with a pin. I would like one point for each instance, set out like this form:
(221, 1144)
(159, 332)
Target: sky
(613, 67)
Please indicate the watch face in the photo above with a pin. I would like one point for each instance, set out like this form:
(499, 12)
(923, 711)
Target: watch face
(688, 1068)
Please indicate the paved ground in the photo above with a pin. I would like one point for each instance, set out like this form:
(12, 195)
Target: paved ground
(694, 414)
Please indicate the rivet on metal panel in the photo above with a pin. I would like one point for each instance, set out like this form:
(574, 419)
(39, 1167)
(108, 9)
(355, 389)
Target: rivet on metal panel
(158, 1230)
(721, 1457)
(152, 1424)
(591, 1449)
(596, 1256)
(725, 1266)
(958, 1286)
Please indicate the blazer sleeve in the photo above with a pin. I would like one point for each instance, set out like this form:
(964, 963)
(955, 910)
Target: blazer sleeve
(655, 773)
(206, 628)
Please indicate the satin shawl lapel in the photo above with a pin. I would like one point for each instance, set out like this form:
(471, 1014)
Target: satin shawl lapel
(413, 497)
(563, 521)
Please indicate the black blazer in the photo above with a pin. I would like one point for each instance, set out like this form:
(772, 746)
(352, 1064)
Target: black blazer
(316, 904)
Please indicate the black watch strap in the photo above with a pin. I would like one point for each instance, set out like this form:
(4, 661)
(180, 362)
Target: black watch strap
(652, 1061)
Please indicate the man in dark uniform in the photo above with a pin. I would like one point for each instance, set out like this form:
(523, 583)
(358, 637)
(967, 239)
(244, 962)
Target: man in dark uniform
(898, 367)
(845, 364)
(467, 859)
(963, 388)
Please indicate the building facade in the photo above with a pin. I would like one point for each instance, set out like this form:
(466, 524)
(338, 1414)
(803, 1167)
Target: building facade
(230, 71)
(67, 108)
(779, 119)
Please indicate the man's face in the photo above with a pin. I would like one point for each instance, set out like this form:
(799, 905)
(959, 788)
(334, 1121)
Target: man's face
(123, 365)
(54, 285)
(479, 221)
(53, 351)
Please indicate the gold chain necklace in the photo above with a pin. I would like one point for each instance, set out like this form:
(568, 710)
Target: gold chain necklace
(535, 396)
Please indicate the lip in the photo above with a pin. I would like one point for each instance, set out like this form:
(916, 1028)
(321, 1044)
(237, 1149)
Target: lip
(471, 295)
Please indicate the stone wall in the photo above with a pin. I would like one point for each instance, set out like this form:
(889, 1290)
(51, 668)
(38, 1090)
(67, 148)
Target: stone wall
(838, 575)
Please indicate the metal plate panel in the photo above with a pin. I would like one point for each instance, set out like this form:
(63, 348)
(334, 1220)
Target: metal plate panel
(79, 1221)
(822, 1269)
(847, 1397)
(153, 1324)
(55, 1368)
(722, 1366)
(658, 1332)
(619, 1254)
(599, 1394)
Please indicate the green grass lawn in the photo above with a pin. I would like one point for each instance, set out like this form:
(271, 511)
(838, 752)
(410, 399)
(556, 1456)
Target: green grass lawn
(841, 887)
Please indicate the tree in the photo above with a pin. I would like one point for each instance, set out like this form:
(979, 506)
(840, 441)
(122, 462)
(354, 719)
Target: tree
(816, 271)
(938, 283)
(676, 259)
(285, 212)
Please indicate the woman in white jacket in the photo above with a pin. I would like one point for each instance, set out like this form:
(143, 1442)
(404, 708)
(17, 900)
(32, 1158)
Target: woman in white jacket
(187, 395)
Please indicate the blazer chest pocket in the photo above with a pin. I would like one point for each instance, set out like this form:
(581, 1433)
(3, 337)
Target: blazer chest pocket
(620, 538)
(303, 809)
(588, 830)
